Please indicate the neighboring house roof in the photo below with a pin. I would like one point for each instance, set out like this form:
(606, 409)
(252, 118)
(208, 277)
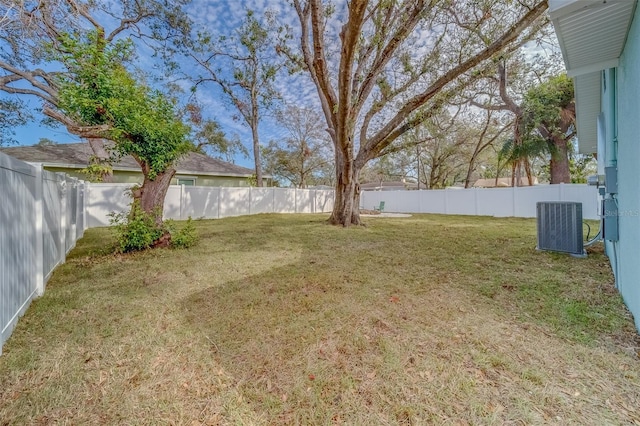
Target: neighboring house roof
(78, 155)
(503, 182)
(388, 186)
(592, 35)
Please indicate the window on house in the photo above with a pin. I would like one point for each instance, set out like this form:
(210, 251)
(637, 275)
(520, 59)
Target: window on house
(187, 181)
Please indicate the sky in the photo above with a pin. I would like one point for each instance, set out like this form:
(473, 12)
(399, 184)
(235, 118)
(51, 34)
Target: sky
(221, 16)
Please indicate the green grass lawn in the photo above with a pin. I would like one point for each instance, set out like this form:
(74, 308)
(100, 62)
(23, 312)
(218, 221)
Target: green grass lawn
(282, 319)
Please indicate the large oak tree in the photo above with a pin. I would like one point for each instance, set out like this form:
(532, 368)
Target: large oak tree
(391, 64)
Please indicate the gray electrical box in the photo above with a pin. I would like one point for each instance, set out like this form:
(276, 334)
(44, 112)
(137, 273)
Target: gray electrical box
(610, 214)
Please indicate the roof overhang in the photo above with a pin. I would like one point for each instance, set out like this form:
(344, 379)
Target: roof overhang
(592, 35)
(137, 170)
(587, 94)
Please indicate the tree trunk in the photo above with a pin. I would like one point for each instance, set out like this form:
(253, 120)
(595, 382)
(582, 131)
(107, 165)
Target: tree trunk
(470, 170)
(527, 169)
(559, 164)
(346, 206)
(101, 154)
(151, 194)
(256, 153)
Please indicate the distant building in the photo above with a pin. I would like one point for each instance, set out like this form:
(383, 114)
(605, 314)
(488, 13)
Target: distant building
(195, 169)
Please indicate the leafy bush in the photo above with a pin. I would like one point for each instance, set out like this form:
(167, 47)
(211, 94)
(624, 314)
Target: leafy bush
(135, 230)
(184, 237)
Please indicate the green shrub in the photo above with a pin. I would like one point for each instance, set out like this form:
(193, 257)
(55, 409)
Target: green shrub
(135, 230)
(184, 237)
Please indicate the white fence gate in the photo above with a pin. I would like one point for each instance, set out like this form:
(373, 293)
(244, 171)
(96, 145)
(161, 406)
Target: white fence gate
(41, 218)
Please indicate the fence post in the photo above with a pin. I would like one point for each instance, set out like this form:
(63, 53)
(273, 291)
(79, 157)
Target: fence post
(446, 207)
(62, 185)
(181, 200)
(475, 200)
(38, 200)
(85, 203)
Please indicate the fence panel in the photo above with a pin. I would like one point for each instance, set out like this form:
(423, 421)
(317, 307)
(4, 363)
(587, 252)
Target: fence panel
(323, 200)
(80, 223)
(17, 241)
(304, 201)
(71, 213)
(526, 198)
(235, 201)
(499, 202)
(53, 238)
(262, 200)
(172, 203)
(104, 198)
(461, 202)
(200, 202)
(284, 200)
(433, 201)
(38, 223)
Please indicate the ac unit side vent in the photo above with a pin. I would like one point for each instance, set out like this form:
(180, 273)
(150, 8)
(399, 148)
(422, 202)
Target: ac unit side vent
(560, 227)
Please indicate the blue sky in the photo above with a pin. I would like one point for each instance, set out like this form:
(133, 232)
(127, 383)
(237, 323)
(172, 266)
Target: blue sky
(221, 17)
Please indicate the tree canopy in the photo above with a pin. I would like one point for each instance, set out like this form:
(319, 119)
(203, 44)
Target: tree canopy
(244, 65)
(396, 64)
(549, 121)
(98, 92)
(303, 156)
(32, 30)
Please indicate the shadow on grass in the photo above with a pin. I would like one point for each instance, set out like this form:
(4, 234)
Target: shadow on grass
(341, 327)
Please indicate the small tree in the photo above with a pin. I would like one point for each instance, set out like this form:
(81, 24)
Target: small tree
(99, 92)
(31, 30)
(306, 150)
(244, 66)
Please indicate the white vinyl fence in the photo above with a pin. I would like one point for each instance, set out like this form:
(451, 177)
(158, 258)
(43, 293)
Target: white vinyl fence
(41, 218)
(198, 202)
(499, 202)
(42, 214)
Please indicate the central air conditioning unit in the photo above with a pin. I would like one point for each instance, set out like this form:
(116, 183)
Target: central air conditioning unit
(560, 227)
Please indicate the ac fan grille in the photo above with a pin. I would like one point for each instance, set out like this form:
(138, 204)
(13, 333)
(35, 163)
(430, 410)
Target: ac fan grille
(560, 227)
